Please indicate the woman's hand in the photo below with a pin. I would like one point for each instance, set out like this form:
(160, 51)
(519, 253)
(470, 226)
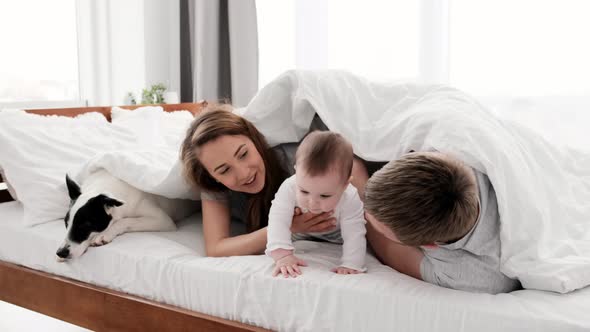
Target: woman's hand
(288, 266)
(309, 222)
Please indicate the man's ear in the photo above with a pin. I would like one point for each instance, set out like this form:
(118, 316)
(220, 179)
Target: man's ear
(73, 188)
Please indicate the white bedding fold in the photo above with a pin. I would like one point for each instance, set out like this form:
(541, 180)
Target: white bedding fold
(151, 161)
(543, 191)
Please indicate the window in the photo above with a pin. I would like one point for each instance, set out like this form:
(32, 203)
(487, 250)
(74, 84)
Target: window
(520, 48)
(39, 58)
(373, 38)
(487, 48)
(525, 60)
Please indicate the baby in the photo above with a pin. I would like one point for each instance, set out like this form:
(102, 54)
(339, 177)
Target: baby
(323, 164)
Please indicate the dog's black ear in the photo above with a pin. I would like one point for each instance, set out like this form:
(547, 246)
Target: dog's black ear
(110, 202)
(73, 188)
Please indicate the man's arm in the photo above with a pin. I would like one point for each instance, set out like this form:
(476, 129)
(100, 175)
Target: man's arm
(402, 258)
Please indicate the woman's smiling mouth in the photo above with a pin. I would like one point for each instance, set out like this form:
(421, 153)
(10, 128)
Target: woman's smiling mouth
(251, 180)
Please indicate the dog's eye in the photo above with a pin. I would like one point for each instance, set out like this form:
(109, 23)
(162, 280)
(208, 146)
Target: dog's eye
(66, 218)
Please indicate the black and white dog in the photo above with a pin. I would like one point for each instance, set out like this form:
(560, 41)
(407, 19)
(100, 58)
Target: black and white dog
(105, 207)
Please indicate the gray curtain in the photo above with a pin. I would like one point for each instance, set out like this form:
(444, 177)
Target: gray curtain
(218, 50)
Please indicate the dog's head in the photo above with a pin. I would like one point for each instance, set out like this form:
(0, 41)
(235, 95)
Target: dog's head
(88, 216)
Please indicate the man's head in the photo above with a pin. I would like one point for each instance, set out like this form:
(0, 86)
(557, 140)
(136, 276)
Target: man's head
(323, 164)
(424, 198)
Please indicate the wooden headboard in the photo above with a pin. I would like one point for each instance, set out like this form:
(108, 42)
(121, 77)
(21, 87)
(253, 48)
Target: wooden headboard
(194, 108)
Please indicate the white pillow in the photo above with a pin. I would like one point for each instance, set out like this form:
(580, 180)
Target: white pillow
(37, 151)
(118, 113)
(171, 129)
(163, 174)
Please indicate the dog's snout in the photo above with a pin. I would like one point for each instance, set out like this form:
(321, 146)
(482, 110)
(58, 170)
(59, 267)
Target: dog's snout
(63, 252)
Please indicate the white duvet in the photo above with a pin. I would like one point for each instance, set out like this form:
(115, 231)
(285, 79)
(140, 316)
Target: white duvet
(150, 161)
(543, 191)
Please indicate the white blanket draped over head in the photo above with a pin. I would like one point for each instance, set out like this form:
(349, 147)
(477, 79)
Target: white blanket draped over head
(543, 191)
(148, 159)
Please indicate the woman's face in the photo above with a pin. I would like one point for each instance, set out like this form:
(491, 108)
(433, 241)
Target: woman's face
(235, 162)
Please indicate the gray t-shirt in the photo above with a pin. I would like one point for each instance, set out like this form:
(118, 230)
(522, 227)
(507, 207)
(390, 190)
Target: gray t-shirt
(238, 201)
(473, 262)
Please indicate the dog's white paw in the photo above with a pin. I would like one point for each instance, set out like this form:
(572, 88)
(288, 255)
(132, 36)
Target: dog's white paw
(101, 240)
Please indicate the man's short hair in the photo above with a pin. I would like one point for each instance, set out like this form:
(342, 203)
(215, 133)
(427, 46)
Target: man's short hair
(324, 151)
(424, 198)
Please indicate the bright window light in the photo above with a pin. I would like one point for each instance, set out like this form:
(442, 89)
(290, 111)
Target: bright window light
(524, 47)
(39, 57)
(375, 39)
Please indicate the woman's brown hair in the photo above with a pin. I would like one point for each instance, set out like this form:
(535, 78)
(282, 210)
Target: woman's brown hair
(215, 121)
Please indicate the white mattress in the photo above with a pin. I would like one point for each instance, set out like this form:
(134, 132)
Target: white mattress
(170, 268)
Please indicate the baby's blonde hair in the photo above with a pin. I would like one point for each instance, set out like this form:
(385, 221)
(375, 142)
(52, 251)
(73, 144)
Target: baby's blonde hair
(324, 151)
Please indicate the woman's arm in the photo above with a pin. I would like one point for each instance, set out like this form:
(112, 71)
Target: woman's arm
(218, 243)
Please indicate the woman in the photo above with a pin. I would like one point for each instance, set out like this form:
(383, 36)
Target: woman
(238, 173)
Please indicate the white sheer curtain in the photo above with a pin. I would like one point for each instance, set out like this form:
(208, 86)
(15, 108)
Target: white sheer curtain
(373, 38)
(110, 50)
(527, 60)
(125, 46)
(39, 59)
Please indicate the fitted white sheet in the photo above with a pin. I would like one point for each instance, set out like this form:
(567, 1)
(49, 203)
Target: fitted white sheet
(170, 268)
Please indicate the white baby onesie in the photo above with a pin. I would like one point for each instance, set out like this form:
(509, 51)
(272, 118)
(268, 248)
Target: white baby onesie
(350, 224)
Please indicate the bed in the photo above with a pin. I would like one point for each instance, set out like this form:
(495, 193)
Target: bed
(85, 304)
(163, 281)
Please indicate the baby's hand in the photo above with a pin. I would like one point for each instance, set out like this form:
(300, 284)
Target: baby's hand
(288, 266)
(344, 270)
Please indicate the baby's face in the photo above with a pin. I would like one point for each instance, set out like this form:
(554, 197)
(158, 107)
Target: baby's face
(321, 193)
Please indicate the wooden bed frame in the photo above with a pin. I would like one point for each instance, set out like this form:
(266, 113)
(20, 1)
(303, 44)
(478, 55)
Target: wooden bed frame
(98, 308)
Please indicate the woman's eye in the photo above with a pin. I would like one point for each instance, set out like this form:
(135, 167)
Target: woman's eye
(243, 155)
(225, 170)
